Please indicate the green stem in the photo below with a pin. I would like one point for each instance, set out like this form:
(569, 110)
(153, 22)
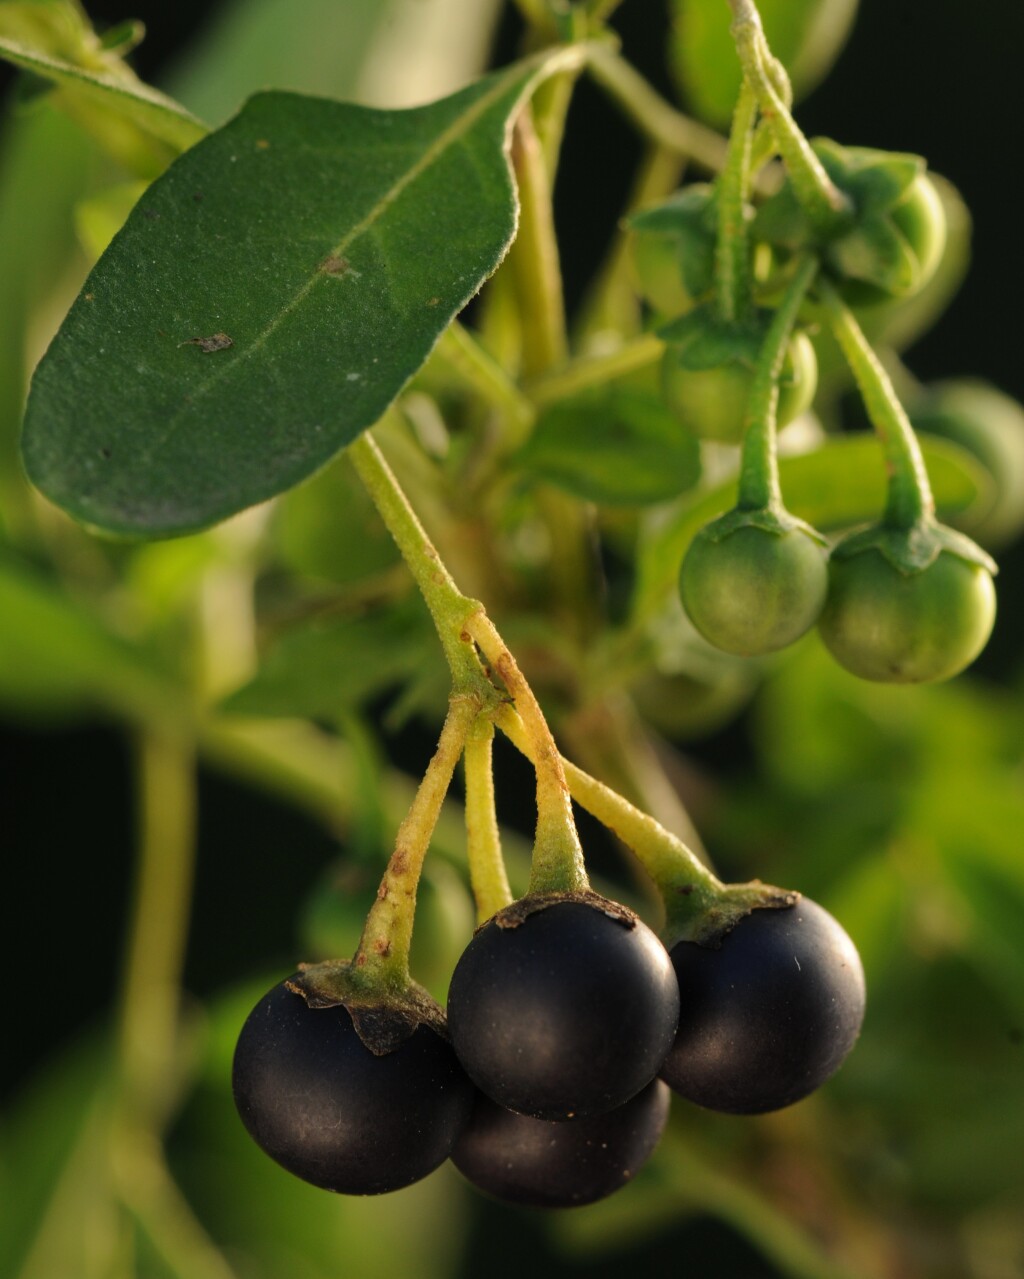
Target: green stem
(732, 249)
(483, 839)
(818, 195)
(759, 465)
(461, 351)
(449, 608)
(595, 370)
(382, 958)
(676, 871)
(651, 113)
(909, 500)
(150, 1003)
(557, 857)
(535, 255)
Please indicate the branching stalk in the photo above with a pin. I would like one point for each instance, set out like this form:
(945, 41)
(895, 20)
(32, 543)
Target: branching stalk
(557, 856)
(383, 952)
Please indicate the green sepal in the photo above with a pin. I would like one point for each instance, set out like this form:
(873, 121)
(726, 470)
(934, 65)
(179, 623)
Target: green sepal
(689, 218)
(874, 251)
(774, 519)
(702, 340)
(912, 550)
(867, 246)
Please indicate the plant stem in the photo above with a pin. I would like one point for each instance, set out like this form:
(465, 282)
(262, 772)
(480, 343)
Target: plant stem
(383, 952)
(759, 465)
(534, 255)
(487, 872)
(449, 608)
(820, 198)
(557, 856)
(595, 370)
(652, 114)
(732, 248)
(148, 1034)
(672, 866)
(476, 367)
(909, 499)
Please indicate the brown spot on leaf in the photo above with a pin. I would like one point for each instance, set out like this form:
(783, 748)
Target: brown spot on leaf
(89, 296)
(333, 265)
(433, 301)
(106, 454)
(262, 143)
(215, 342)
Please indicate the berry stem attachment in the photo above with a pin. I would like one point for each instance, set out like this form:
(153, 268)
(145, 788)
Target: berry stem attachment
(732, 249)
(759, 465)
(449, 608)
(487, 874)
(818, 195)
(698, 906)
(909, 501)
(557, 865)
(381, 962)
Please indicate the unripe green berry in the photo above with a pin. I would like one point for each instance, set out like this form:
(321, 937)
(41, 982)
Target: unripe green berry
(753, 591)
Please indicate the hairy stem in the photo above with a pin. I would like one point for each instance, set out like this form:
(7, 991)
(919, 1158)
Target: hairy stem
(732, 249)
(909, 499)
(487, 872)
(759, 465)
(383, 953)
(557, 856)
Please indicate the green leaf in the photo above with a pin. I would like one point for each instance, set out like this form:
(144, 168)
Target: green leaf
(267, 299)
(327, 667)
(328, 528)
(618, 447)
(836, 486)
(56, 656)
(107, 85)
(806, 35)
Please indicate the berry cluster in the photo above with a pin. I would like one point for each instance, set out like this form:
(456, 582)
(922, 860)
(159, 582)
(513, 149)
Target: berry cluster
(563, 1012)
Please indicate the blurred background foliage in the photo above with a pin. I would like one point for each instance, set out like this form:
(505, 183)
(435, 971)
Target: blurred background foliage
(901, 810)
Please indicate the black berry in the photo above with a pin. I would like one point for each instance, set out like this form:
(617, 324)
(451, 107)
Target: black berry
(568, 1013)
(320, 1103)
(530, 1161)
(770, 1015)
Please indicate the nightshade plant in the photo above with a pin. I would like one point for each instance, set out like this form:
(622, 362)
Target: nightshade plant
(284, 309)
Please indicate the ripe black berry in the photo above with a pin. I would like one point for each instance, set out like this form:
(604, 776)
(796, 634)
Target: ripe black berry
(770, 1015)
(320, 1103)
(569, 1012)
(542, 1164)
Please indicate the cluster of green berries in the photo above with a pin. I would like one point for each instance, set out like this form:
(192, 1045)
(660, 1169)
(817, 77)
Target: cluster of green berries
(568, 1024)
(906, 601)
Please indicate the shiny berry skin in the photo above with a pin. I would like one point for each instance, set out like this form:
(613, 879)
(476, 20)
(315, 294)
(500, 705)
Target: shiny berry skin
(316, 1100)
(906, 628)
(568, 1014)
(753, 591)
(529, 1161)
(768, 1016)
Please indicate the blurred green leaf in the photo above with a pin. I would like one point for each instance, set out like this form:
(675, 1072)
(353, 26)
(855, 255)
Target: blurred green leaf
(268, 298)
(56, 656)
(329, 666)
(836, 486)
(98, 219)
(328, 528)
(618, 447)
(141, 126)
(806, 35)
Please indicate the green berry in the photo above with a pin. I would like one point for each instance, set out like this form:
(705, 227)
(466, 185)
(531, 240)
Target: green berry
(882, 623)
(753, 591)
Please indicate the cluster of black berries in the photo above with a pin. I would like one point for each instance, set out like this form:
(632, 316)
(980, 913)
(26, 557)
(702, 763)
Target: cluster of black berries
(563, 1013)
